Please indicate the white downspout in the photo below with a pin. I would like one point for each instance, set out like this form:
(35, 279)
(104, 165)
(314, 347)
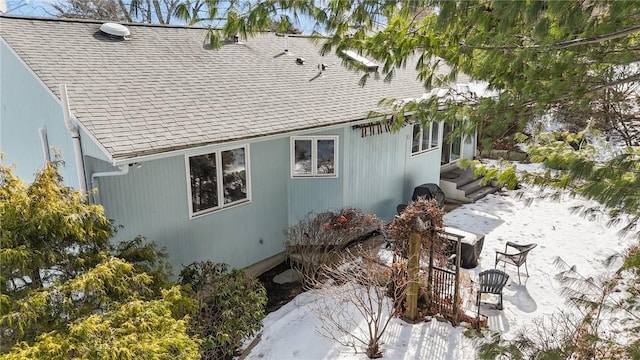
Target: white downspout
(124, 170)
(75, 137)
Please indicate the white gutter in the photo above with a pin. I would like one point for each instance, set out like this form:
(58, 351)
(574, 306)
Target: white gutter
(124, 170)
(75, 137)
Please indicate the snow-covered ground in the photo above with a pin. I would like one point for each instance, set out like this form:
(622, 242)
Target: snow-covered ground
(290, 333)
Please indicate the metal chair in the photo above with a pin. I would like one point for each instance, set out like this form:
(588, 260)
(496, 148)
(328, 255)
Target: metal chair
(492, 281)
(516, 259)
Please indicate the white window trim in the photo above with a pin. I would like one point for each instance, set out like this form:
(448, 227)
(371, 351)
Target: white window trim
(222, 205)
(422, 151)
(314, 156)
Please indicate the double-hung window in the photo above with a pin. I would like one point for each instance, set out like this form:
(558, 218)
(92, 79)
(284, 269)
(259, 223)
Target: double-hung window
(314, 156)
(425, 137)
(218, 179)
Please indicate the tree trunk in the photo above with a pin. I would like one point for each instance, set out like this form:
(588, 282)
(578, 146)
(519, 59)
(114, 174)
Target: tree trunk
(36, 280)
(124, 10)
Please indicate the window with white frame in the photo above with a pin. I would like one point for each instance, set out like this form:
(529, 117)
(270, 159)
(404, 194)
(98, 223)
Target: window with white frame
(314, 156)
(425, 137)
(218, 179)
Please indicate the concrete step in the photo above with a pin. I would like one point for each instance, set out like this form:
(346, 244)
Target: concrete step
(458, 176)
(482, 192)
(471, 187)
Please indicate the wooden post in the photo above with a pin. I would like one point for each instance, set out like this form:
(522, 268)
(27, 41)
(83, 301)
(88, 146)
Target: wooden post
(456, 295)
(433, 233)
(413, 272)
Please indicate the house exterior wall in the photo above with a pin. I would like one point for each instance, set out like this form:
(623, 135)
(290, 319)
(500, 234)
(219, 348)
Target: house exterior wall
(27, 106)
(469, 146)
(315, 195)
(383, 171)
(375, 174)
(375, 183)
(152, 201)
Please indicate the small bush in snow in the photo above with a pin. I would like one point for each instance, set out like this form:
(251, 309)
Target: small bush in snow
(230, 306)
(317, 240)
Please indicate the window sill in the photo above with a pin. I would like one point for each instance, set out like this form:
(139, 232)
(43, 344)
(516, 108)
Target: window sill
(217, 210)
(425, 151)
(314, 176)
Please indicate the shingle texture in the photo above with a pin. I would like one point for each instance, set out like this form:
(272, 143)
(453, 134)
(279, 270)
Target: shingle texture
(163, 89)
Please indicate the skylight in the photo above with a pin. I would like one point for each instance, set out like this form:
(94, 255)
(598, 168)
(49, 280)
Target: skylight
(369, 64)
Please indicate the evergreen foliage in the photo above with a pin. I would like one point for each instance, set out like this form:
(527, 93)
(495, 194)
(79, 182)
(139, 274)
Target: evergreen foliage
(230, 306)
(541, 55)
(137, 329)
(64, 295)
(147, 259)
(48, 231)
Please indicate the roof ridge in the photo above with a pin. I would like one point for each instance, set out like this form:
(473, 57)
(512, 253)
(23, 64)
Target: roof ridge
(97, 21)
(135, 24)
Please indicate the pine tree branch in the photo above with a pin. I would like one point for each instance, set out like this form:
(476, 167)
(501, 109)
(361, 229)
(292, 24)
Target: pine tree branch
(564, 44)
(614, 83)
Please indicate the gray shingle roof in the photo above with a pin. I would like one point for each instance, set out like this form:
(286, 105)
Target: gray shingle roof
(164, 90)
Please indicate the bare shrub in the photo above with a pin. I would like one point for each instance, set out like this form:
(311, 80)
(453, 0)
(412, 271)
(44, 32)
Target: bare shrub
(425, 218)
(429, 213)
(317, 240)
(614, 111)
(355, 310)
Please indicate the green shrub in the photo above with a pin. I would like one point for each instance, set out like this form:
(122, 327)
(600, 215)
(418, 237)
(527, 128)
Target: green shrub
(137, 329)
(146, 258)
(230, 306)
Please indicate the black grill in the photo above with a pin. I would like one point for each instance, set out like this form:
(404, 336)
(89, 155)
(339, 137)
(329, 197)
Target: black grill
(429, 191)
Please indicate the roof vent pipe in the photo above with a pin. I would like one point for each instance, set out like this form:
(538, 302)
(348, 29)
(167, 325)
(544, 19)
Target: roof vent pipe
(286, 44)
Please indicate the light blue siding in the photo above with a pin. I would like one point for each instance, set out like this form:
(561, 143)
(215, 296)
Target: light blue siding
(382, 172)
(152, 201)
(89, 148)
(376, 173)
(376, 176)
(421, 169)
(315, 194)
(27, 106)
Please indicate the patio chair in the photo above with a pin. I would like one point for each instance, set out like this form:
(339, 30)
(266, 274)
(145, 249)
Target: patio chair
(492, 281)
(518, 258)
